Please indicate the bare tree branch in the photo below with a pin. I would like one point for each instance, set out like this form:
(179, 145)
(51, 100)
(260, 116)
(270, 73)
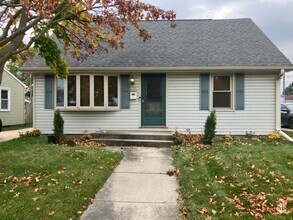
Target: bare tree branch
(10, 22)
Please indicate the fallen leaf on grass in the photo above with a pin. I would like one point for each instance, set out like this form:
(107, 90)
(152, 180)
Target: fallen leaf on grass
(77, 182)
(174, 172)
(16, 195)
(204, 211)
(52, 213)
(35, 198)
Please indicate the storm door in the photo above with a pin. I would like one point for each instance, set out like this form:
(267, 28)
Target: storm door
(153, 100)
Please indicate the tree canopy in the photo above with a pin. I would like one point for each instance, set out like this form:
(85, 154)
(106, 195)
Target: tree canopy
(82, 26)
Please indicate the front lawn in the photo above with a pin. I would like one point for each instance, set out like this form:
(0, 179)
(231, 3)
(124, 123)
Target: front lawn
(41, 181)
(246, 179)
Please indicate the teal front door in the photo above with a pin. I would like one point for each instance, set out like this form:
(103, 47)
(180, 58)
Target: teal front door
(153, 100)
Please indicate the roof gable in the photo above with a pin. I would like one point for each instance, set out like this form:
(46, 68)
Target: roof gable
(14, 77)
(193, 43)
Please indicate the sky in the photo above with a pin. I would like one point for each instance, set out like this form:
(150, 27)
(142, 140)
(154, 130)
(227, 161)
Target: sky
(274, 17)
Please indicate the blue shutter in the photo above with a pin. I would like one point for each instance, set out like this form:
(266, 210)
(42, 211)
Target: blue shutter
(49, 92)
(204, 91)
(239, 91)
(125, 90)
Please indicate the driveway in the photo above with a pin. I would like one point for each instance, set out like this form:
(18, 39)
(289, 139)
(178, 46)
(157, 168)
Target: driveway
(9, 135)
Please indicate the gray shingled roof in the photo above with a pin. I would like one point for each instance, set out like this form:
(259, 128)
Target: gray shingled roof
(193, 43)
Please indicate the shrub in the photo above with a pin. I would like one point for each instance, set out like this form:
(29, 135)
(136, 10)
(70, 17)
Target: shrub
(33, 133)
(177, 138)
(273, 136)
(58, 127)
(227, 138)
(210, 127)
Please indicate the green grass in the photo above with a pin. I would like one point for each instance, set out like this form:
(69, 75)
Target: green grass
(41, 181)
(255, 174)
(15, 127)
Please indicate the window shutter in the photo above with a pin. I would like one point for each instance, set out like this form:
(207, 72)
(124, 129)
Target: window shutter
(125, 90)
(204, 91)
(239, 91)
(49, 92)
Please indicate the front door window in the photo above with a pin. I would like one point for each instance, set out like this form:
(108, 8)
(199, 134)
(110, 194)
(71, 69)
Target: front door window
(153, 97)
(153, 106)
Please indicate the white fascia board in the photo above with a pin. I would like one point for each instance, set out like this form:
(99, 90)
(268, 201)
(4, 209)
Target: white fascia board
(157, 69)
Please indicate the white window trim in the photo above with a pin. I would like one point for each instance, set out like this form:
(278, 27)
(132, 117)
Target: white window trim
(91, 107)
(9, 98)
(232, 90)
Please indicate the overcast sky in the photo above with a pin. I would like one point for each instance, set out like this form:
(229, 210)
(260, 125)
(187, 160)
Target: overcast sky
(274, 17)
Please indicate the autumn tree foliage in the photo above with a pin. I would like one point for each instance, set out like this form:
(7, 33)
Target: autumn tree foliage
(82, 27)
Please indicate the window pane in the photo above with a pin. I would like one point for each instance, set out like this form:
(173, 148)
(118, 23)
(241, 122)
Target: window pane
(71, 91)
(84, 90)
(222, 99)
(4, 104)
(112, 91)
(60, 92)
(99, 91)
(153, 102)
(222, 83)
(4, 94)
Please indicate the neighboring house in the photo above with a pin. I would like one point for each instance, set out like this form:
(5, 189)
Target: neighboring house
(12, 90)
(180, 75)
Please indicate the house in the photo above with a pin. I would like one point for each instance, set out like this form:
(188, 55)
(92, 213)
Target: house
(12, 94)
(171, 82)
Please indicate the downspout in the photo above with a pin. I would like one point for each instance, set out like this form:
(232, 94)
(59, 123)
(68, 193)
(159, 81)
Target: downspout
(278, 109)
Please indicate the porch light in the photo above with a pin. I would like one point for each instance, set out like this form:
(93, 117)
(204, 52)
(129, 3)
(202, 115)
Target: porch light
(131, 80)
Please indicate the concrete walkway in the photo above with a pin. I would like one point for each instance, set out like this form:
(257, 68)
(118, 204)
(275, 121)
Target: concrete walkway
(139, 188)
(9, 135)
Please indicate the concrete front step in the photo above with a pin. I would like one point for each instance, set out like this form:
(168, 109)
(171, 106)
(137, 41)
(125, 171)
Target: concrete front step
(135, 138)
(136, 142)
(132, 136)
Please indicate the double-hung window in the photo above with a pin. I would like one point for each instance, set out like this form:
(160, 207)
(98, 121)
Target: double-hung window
(5, 99)
(222, 91)
(87, 92)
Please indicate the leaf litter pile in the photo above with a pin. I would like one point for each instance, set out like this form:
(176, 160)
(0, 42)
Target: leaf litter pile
(236, 179)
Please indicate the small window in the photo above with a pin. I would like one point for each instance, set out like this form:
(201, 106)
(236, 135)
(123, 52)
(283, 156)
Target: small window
(99, 90)
(222, 92)
(71, 91)
(84, 90)
(113, 91)
(60, 93)
(5, 102)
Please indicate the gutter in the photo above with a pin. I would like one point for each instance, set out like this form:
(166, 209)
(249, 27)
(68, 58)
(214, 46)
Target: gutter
(278, 110)
(284, 135)
(159, 69)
